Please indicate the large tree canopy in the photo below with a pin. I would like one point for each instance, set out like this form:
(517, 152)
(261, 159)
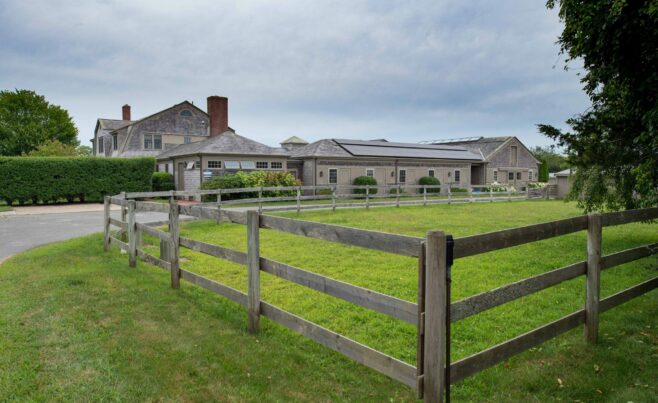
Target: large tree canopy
(614, 144)
(27, 121)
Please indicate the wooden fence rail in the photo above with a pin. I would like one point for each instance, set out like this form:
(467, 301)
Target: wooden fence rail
(431, 311)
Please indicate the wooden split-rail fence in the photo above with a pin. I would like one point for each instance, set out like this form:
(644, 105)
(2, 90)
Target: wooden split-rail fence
(432, 374)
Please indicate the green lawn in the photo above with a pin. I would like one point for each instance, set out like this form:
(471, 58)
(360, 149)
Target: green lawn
(4, 207)
(78, 324)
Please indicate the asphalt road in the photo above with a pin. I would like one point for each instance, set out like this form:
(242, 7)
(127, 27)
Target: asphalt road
(19, 233)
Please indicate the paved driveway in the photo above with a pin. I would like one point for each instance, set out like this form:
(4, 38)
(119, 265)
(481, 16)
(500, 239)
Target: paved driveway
(22, 232)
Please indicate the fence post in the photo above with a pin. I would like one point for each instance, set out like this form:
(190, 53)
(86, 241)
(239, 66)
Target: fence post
(491, 194)
(594, 235)
(397, 196)
(219, 206)
(299, 199)
(509, 194)
(174, 233)
(420, 332)
(333, 199)
(260, 200)
(449, 193)
(132, 236)
(106, 224)
(424, 195)
(253, 267)
(470, 194)
(367, 196)
(435, 316)
(172, 195)
(124, 215)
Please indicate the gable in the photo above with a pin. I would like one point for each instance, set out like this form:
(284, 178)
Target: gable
(502, 155)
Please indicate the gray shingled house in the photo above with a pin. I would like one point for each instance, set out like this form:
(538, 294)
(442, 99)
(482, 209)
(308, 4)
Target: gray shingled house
(195, 145)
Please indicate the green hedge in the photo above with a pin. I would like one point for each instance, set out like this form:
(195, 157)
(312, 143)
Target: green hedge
(363, 181)
(248, 180)
(429, 181)
(163, 182)
(53, 179)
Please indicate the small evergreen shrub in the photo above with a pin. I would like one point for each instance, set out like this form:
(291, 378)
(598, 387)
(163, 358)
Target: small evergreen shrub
(163, 182)
(363, 181)
(429, 181)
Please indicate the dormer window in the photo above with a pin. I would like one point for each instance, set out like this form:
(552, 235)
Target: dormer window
(185, 113)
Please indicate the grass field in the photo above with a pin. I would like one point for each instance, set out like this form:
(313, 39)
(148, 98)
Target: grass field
(78, 324)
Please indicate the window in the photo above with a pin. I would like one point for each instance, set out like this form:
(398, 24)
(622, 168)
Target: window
(232, 164)
(495, 175)
(518, 175)
(190, 165)
(248, 165)
(262, 164)
(152, 142)
(530, 175)
(187, 140)
(101, 144)
(370, 172)
(402, 176)
(333, 176)
(276, 165)
(214, 164)
(513, 155)
(186, 113)
(510, 176)
(458, 175)
(431, 173)
(115, 142)
(197, 164)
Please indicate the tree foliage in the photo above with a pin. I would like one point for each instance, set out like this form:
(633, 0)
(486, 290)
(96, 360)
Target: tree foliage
(555, 162)
(55, 148)
(613, 144)
(27, 120)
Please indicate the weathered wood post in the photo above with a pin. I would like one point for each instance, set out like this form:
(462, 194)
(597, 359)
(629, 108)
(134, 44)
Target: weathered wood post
(260, 200)
(367, 196)
(132, 236)
(435, 316)
(124, 215)
(333, 199)
(299, 199)
(219, 206)
(253, 270)
(509, 194)
(173, 252)
(172, 195)
(424, 195)
(491, 194)
(470, 194)
(449, 193)
(397, 195)
(420, 332)
(594, 237)
(106, 223)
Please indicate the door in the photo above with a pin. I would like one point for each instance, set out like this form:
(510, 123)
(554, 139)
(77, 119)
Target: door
(181, 176)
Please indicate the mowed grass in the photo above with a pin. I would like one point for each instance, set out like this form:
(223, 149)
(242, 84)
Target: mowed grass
(78, 324)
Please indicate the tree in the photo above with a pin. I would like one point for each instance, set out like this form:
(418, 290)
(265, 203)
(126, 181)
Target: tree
(55, 148)
(543, 171)
(614, 144)
(27, 120)
(548, 155)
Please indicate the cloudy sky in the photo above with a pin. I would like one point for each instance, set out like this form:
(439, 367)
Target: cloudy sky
(401, 70)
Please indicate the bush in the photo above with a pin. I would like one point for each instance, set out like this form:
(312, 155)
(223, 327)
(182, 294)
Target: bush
(537, 185)
(429, 181)
(251, 179)
(163, 182)
(51, 179)
(458, 190)
(363, 181)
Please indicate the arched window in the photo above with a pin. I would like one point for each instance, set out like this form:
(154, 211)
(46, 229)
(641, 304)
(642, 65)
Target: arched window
(185, 113)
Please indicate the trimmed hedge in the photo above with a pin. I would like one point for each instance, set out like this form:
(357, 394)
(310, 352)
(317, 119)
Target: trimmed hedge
(429, 181)
(52, 179)
(163, 182)
(363, 181)
(251, 179)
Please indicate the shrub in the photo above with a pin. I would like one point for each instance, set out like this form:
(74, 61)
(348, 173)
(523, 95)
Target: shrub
(363, 181)
(51, 179)
(498, 187)
(458, 190)
(537, 185)
(163, 182)
(252, 179)
(429, 181)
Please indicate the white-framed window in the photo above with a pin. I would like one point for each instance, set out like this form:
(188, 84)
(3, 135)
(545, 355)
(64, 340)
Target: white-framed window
(530, 175)
(518, 176)
(232, 164)
(458, 176)
(115, 142)
(152, 142)
(333, 176)
(431, 173)
(101, 145)
(370, 172)
(262, 164)
(276, 165)
(214, 164)
(187, 140)
(495, 175)
(402, 176)
(248, 165)
(510, 176)
(186, 113)
(197, 164)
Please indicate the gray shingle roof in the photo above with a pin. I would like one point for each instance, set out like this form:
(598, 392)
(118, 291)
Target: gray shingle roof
(294, 140)
(378, 148)
(226, 143)
(485, 144)
(109, 125)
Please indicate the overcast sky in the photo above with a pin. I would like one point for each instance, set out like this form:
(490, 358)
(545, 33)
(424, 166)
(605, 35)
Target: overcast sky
(401, 70)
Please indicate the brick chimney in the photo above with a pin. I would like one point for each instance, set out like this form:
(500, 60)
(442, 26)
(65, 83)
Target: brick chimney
(125, 112)
(218, 112)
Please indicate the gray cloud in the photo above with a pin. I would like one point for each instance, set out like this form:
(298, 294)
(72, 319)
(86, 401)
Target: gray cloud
(408, 71)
